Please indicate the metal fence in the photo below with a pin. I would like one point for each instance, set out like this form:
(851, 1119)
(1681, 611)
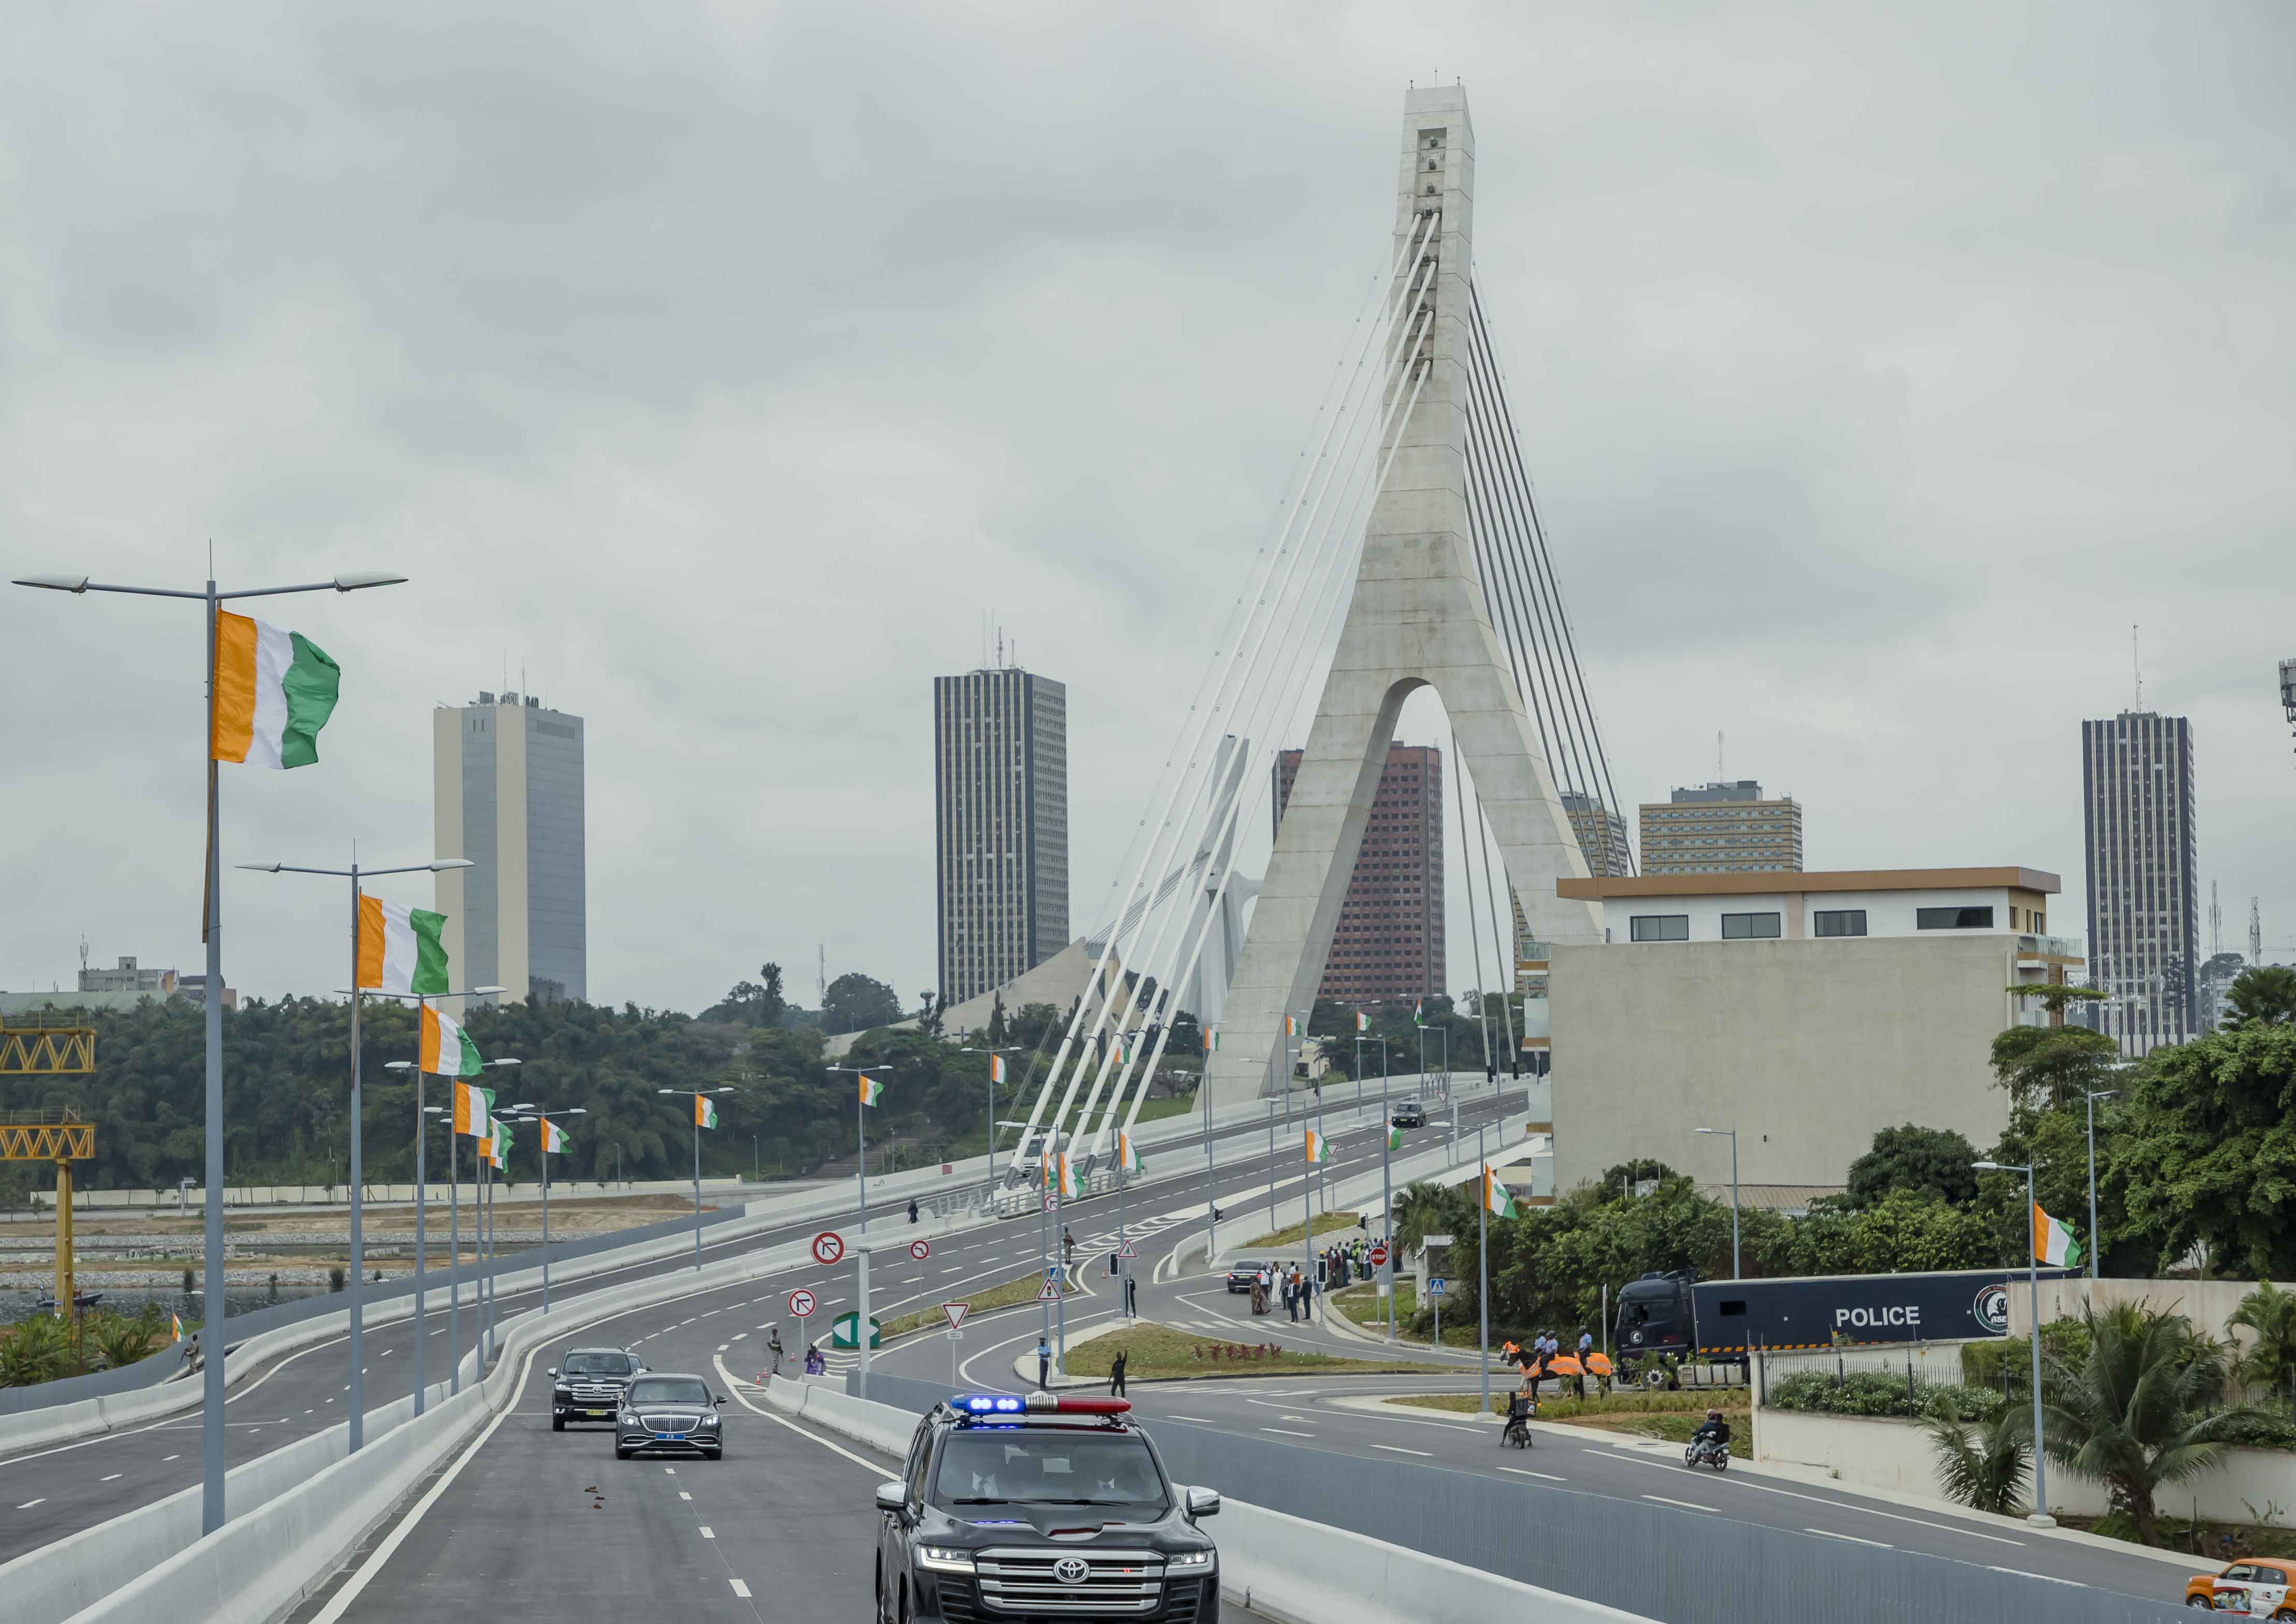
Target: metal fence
(1919, 1365)
(152, 1371)
(1676, 1566)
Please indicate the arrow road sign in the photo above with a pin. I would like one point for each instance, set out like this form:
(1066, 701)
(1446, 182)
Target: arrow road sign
(828, 1247)
(920, 1249)
(1052, 1204)
(956, 1311)
(800, 1305)
(1379, 1257)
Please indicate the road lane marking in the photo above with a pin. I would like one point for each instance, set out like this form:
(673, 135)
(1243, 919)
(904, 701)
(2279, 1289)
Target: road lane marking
(740, 1589)
(1201, 1421)
(1685, 1505)
(1852, 1538)
(743, 1400)
(1524, 1471)
(1287, 1432)
(684, 1496)
(28, 1504)
(708, 1533)
(111, 1477)
(1399, 1449)
(670, 1470)
(171, 1458)
(2051, 1577)
(1950, 1528)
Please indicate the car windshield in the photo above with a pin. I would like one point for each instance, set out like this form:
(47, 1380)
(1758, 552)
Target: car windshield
(669, 1389)
(1009, 1466)
(597, 1363)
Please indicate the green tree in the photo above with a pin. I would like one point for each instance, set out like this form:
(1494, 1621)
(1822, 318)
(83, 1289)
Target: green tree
(2205, 1151)
(1935, 1162)
(855, 1003)
(2133, 1413)
(2270, 1362)
(2265, 995)
(1982, 1464)
(2053, 1066)
(757, 1002)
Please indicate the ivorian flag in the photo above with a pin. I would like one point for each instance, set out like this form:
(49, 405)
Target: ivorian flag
(1127, 1157)
(1419, 1011)
(1124, 1048)
(499, 1145)
(448, 1050)
(995, 1067)
(1066, 1173)
(555, 1138)
(471, 1107)
(1495, 1199)
(1290, 1026)
(2052, 1243)
(1363, 1022)
(399, 949)
(1394, 1137)
(485, 1148)
(1319, 1149)
(705, 1112)
(274, 690)
(178, 1321)
(1212, 1038)
(872, 1090)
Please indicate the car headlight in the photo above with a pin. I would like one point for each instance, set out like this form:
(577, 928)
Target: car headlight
(707, 1422)
(1189, 1559)
(945, 1559)
(629, 1419)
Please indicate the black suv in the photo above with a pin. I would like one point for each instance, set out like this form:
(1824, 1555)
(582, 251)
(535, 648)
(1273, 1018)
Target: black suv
(668, 1415)
(1046, 1508)
(588, 1386)
(1409, 1113)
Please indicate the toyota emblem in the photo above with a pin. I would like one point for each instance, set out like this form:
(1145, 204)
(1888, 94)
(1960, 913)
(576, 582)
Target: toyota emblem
(1071, 1570)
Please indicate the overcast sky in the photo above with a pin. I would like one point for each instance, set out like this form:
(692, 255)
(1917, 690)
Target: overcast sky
(717, 366)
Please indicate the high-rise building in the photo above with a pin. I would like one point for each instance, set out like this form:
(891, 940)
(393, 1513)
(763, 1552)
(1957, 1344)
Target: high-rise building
(2144, 909)
(1602, 832)
(506, 793)
(1000, 825)
(1721, 828)
(1389, 940)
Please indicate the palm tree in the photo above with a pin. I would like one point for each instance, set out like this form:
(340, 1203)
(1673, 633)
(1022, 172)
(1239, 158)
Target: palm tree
(2131, 1414)
(2265, 994)
(2269, 1311)
(1984, 1466)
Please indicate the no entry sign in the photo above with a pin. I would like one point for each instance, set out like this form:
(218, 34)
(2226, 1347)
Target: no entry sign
(828, 1247)
(800, 1305)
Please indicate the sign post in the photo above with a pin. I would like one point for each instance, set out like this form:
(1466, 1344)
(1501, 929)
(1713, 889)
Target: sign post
(1435, 1299)
(956, 1312)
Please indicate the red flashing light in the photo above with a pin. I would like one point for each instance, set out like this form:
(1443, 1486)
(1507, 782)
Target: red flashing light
(1093, 1406)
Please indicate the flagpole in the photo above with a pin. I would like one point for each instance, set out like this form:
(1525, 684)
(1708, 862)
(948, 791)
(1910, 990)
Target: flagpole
(215, 1300)
(453, 1250)
(1483, 1283)
(1387, 1209)
(358, 1416)
(697, 1183)
(421, 1205)
(1307, 1178)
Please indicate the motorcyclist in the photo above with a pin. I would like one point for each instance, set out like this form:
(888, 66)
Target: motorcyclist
(1714, 1431)
(1520, 1408)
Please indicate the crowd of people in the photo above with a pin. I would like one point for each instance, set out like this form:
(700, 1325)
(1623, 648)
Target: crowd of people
(1295, 1287)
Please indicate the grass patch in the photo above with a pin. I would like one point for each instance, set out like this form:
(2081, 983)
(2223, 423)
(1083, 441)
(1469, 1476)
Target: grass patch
(1159, 1352)
(1021, 1288)
(1326, 1222)
(1361, 1304)
(2176, 1534)
(1671, 1416)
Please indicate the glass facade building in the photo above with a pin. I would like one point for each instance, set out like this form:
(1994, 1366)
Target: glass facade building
(1000, 825)
(2144, 909)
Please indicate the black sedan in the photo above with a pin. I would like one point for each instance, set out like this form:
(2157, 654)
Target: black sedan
(668, 1415)
(1240, 1275)
(1409, 1113)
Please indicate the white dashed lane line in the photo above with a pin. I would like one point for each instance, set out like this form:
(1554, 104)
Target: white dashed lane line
(1399, 1449)
(1852, 1538)
(1685, 1505)
(740, 1589)
(1287, 1432)
(1522, 1471)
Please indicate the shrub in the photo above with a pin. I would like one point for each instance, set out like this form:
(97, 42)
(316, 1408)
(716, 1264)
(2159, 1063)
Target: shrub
(121, 1340)
(1877, 1394)
(35, 1350)
(1985, 1466)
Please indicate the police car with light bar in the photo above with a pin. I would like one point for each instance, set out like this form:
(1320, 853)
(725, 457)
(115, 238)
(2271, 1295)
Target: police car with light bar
(1034, 1507)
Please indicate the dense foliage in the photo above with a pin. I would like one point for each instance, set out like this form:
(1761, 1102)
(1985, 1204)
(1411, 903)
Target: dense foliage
(1878, 1392)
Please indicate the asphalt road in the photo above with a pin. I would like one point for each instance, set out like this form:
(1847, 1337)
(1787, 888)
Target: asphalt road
(47, 1494)
(1339, 1415)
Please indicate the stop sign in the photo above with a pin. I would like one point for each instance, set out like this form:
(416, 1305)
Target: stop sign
(1379, 1257)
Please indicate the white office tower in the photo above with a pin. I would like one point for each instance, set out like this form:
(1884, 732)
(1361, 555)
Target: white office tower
(507, 794)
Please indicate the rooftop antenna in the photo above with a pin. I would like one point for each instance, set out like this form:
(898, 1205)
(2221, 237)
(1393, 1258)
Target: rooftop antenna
(1000, 645)
(1717, 755)
(2216, 923)
(2136, 666)
(821, 978)
(2255, 935)
(83, 953)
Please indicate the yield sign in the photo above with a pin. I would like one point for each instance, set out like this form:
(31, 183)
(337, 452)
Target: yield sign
(1379, 1257)
(1050, 1291)
(828, 1247)
(920, 1249)
(800, 1305)
(956, 1312)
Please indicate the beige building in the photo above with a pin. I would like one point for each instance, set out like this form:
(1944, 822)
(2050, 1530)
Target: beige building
(1808, 1012)
(1721, 828)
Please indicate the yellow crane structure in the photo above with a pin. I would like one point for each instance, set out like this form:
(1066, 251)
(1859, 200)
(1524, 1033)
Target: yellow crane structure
(60, 1136)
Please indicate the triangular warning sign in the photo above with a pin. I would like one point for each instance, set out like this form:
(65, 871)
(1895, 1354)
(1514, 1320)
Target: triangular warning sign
(1050, 1291)
(1127, 1251)
(956, 1312)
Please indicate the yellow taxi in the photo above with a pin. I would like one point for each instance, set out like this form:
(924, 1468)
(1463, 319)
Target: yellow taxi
(2257, 1587)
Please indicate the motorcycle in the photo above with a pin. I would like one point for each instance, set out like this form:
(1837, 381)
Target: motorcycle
(1518, 1428)
(1707, 1452)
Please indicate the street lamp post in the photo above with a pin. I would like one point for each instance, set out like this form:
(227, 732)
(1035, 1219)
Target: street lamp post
(356, 1418)
(2101, 1094)
(1736, 1269)
(861, 1175)
(2040, 1517)
(697, 1093)
(535, 1114)
(212, 1452)
(988, 1165)
(486, 1306)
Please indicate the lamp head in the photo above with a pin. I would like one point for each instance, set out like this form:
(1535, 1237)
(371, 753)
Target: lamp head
(399, 1065)
(55, 583)
(444, 864)
(361, 578)
(487, 992)
(258, 868)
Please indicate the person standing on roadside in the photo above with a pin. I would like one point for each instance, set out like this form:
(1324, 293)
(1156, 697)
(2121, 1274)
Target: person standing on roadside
(1116, 1374)
(774, 1349)
(1043, 1362)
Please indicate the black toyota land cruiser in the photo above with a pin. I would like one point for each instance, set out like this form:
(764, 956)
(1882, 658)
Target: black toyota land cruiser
(589, 1385)
(1035, 1508)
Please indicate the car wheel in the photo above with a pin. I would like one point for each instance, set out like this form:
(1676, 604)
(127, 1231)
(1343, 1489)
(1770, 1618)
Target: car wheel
(558, 1424)
(620, 1453)
(2200, 1601)
(904, 1615)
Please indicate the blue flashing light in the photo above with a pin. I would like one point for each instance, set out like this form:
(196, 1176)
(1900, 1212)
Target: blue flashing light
(987, 1404)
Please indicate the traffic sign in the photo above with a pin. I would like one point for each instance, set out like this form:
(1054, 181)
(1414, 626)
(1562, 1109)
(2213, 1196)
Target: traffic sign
(1050, 1291)
(845, 1330)
(800, 1305)
(1379, 1257)
(828, 1247)
(920, 1249)
(1127, 1251)
(956, 1311)
(1052, 1204)
(1055, 1273)
(1435, 1286)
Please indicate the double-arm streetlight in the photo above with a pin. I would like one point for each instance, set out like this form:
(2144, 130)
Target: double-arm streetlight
(213, 1453)
(996, 1064)
(422, 1113)
(2040, 1517)
(1735, 1271)
(531, 1113)
(483, 1171)
(354, 873)
(697, 1094)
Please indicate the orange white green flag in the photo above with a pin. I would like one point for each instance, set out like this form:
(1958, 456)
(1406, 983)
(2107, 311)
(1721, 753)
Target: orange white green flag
(1060, 1166)
(400, 950)
(555, 1140)
(1126, 1158)
(1319, 1149)
(872, 1090)
(995, 1067)
(471, 1109)
(705, 1112)
(2052, 1243)
(274, 690)
(497, 1149)
(447, 1049)
(1290, 1026)
(1363, 1022)
(1212, 1038)
(1497, 1202)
